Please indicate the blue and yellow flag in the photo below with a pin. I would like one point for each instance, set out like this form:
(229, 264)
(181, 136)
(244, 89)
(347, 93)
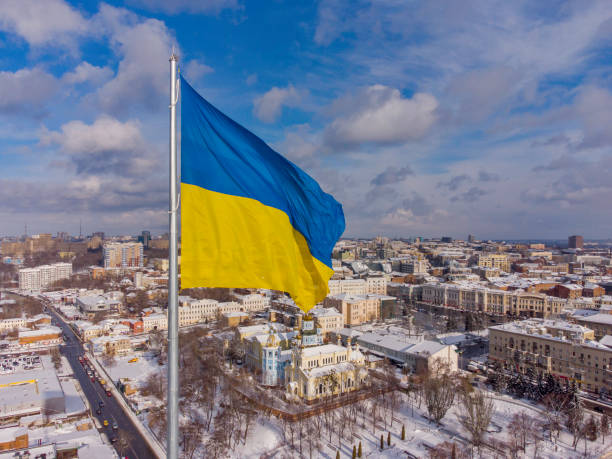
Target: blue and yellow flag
(250, 218)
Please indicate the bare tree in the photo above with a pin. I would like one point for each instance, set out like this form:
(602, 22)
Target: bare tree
(477, 411)
(438, 391)
(520, 427)
(447, 449)
(575, 422)
(536, 438)
(604, 426)
(191, 437)
(556, 404)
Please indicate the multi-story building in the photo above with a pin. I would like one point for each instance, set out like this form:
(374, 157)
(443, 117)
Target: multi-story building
(477, 298)
(494, 260)
(123, 255)
(43, 276)
(154, 322)
(254, 302)
(601, 324)
(575, 242)
(372, 284)
(328, 319)
(414, 266)
(568, 351)
(192, 311)
(355, 309)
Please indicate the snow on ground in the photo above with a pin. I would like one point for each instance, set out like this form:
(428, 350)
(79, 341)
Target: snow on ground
(136, 371)
(74, 402)
(266, 438)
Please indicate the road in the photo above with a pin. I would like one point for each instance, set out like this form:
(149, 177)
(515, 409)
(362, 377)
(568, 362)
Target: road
(137, 447)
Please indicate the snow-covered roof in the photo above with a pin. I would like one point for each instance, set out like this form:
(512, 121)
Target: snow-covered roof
(322, 349)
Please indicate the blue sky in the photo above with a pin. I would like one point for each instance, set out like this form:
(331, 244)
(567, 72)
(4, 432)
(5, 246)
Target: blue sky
(422, 118)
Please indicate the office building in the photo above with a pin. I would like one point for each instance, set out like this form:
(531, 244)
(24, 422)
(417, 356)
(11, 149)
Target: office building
(575, 242)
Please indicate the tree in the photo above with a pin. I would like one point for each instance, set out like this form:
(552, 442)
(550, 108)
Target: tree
(575, 421)
(382, 442)
(604, 426)
(56, 358)
(354, 452)
(359, 452)
(438, 391)
(520, 427)
(590, 429)
(403, 432)
(477, 409)
(388, 438)
(337, 454)
(447, 450)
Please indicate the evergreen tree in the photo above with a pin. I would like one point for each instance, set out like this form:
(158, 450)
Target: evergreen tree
(337, 454)
(382, 442)
(454, 451)
(403, 432)
(389, 438)
(354, 452)
(359, 450)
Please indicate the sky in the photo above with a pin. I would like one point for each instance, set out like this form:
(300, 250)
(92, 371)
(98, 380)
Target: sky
(423, 118)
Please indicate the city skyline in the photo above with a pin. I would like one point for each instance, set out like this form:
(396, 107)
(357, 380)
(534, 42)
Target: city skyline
(491, 119)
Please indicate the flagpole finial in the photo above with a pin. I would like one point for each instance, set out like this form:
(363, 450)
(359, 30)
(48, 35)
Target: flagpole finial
(174, 55)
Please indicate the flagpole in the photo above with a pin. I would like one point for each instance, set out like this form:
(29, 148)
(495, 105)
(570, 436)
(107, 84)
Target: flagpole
(173, 361)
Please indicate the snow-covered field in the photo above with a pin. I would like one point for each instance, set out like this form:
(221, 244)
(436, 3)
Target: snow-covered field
(266, 438)
(138, 371)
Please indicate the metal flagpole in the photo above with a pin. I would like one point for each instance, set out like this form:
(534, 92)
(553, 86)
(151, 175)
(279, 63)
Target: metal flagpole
(173, 361)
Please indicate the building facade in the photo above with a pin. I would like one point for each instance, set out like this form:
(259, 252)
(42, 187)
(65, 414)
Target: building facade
(567, 351)
(123, 255)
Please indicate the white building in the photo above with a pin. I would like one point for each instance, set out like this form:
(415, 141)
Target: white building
(155, 322)
(254, 302)
(43, 276)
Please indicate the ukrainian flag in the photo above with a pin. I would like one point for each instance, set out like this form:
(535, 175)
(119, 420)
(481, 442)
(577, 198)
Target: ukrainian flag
(250, 218)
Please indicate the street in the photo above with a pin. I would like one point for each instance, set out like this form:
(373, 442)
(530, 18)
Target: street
(112, 412)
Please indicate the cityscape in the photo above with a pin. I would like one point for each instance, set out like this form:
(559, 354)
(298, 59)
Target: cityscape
(520, 332)
(313, 230)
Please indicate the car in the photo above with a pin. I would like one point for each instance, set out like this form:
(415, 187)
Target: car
(113, 439)
(101, 403)
(108, 393)
(105, 423)
(98, 411)
(115, 426)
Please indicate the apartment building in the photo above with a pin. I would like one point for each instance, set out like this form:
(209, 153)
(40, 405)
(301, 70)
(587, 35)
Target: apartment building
(601, 324)
(372, 284)
(355, 309)
(477, 298)
(494, 260)
(123, 255)
(43, 276)
(567, 351)
(329, 319)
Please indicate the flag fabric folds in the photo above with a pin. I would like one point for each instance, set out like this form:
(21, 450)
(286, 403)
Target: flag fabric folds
(249, 217)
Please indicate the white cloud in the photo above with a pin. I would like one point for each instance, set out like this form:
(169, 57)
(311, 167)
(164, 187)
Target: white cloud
(144, 46)
(106, 146)
(41, 22)
(188, 6)
(195, 70)
(26, 90)
(268, 106)
(379, 114)
(87, 73)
